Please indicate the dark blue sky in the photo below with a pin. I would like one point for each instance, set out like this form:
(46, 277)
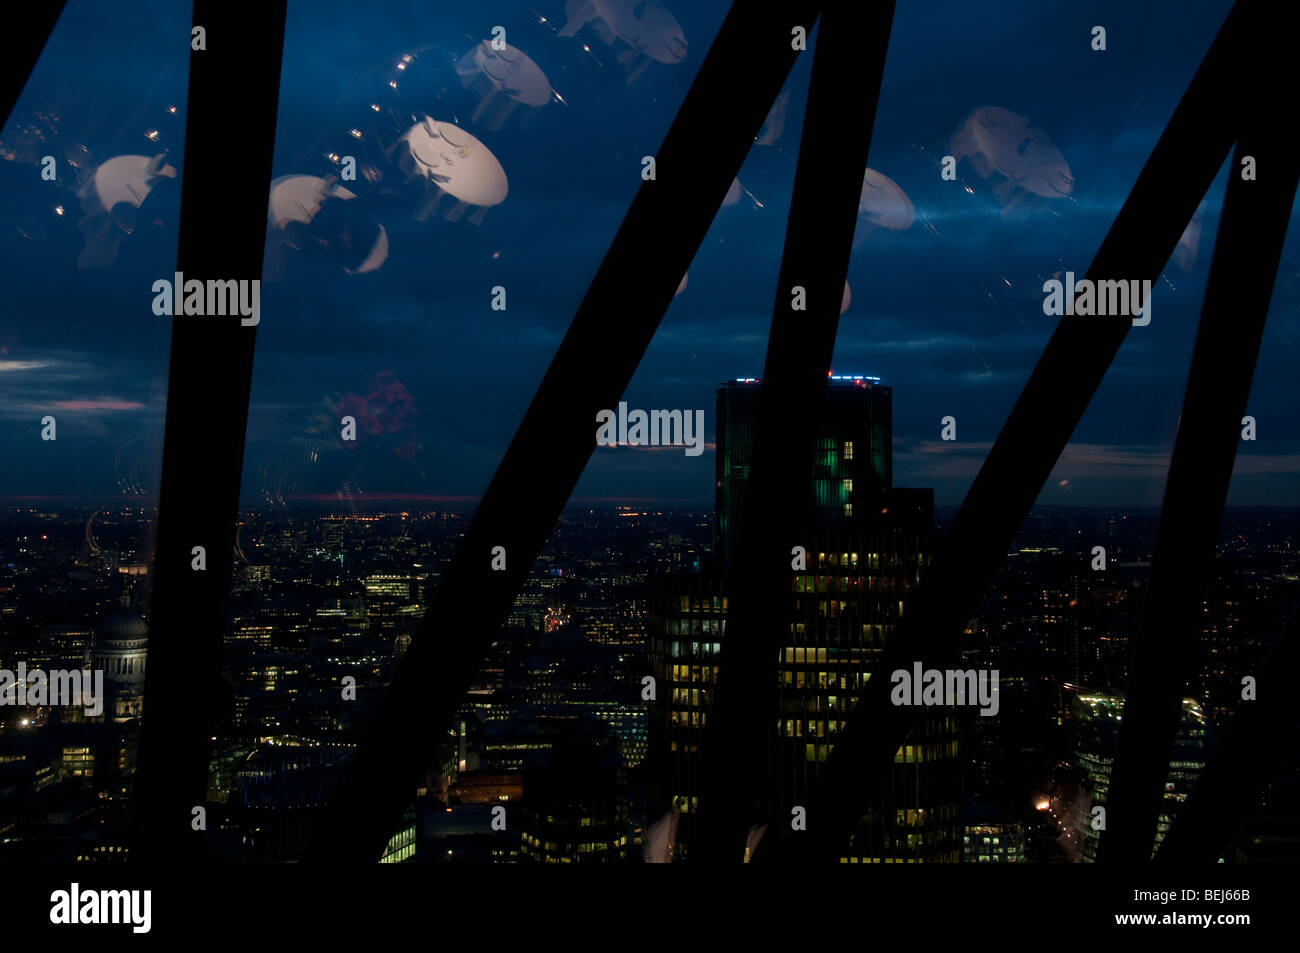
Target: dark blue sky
(948, 311)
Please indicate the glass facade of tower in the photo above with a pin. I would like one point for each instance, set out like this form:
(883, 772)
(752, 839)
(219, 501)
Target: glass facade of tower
(1097, 719)
(688, 619)
(865, 554)
(846, 606)
(853, 462)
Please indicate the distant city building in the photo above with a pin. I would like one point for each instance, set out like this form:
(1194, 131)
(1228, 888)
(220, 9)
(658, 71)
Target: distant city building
(283, 786)
(393, 602)
(575, 807)
(332, 536)
(992, 836)
(401, 846)
(120, 651)
(487, 787)
(63, 646)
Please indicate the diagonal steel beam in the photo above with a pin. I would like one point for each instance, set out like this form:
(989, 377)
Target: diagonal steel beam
(1242, 274)
(1242, 763)
(234, 84)
(27, 36)
(1181, 168)
(851, 45)
(704, 148)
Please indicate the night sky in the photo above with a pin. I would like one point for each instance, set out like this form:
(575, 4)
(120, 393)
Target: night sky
(947, 312)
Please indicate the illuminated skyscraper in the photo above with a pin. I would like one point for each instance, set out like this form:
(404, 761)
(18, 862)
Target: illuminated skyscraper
(853, 464)
(865, 554)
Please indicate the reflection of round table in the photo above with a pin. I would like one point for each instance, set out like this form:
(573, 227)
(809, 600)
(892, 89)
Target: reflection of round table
(455, 161)
(884, 203)
(297, 198)
(296, 201)
(510, 72)
(128, 179)
(1013, 146)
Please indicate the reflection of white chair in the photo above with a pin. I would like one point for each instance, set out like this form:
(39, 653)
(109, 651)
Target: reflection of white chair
(125, 215)
(378, 255)
(292, 235)
(646, 29)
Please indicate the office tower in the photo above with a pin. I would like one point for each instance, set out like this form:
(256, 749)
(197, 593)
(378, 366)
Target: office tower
(993, 835)
(282, 788)
(852, 467)
(392, 603)
(1060, 590)
(332, 538)
(1097, 722)
(1227, 646)
(62, 646)
(687, 616)
(575, 805)
(865, 550)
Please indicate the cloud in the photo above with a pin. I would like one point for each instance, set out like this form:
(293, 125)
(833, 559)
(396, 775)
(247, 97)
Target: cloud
(99, 403)
(707, 445)
(936, 458)
(64, 379)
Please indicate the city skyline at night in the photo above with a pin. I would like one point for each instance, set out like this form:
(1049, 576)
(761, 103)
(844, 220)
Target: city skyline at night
(485, 438)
